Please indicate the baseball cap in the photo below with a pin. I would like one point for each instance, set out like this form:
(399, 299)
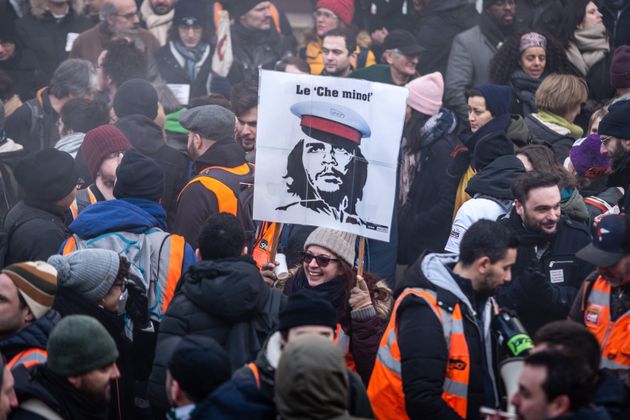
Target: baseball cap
(404, 41)
(610, 242)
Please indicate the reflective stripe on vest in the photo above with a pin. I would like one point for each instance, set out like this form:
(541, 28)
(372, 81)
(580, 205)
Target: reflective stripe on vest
(385, 388)
(252, 366)
(88, 197)
(273, 10)
(264, 242)
(28, 358)
(226, 198)
(613, 337)
(342, 340)
(156, 258)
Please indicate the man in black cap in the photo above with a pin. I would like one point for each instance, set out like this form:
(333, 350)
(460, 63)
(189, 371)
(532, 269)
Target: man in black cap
(136, 106)
(401, 53)
(256, 42)
(603, 303)
(614, 132)
(472, 50)
(34, 227)
(222, 172)
(197, 367)
(252, 386)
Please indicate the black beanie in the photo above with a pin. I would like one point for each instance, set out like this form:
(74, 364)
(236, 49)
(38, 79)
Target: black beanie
(238, 8)
(48, 175)
(199, 364)
(498, 98)
(138, 176)
(617, 122)
(136, 96)
(307, 308)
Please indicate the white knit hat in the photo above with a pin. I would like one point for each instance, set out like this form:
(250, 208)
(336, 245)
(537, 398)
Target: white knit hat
(342, 244)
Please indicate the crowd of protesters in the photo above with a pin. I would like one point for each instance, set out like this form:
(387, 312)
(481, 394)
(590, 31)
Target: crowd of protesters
(134, 283)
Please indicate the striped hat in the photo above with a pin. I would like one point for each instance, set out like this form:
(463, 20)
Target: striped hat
(37, 283)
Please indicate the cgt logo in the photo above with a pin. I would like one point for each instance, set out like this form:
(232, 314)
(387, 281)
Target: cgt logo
(591, 315)
(264, 245)
(457, 364)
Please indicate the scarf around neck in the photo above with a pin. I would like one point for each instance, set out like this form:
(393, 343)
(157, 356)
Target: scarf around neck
(157, 24)
(192, 56)
(588, 48)
(552, 119)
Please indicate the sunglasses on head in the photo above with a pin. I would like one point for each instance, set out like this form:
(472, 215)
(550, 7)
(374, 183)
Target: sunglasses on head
(322, 260)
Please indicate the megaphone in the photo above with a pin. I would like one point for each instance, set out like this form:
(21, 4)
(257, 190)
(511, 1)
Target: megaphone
(512, 334)
(510, 370)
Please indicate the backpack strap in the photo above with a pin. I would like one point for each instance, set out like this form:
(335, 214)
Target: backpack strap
(37, 117)
(38, 407)
(362, 57)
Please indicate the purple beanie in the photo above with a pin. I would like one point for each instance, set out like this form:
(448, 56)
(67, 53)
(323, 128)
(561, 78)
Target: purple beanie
(587, 159)
(620, 68)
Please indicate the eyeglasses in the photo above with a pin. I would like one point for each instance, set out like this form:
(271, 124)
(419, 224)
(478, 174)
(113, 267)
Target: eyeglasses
(605, 139)
(322, 261)
(324, 14)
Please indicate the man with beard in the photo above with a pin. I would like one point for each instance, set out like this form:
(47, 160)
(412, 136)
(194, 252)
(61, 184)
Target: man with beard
(472, 51)
(75, 381)
(547, 274)
(245, 106)
(338, 48)
(158, 17)
(444, 299)
(603, 304)
(102, 150)
(614, 131)
(119, 19)
(326, 170)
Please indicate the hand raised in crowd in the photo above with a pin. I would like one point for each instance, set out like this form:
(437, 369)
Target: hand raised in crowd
(360, 295)
(268, 274)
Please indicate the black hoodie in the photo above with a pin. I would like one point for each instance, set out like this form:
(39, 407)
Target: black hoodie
(496, 179)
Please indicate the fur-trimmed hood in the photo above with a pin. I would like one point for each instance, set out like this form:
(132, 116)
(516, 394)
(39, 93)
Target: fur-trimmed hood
(38, 7)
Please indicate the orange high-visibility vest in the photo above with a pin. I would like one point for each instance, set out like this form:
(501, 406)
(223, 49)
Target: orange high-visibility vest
(264, 242)
(385, 389)
(613, 337)
(226, 198)
(28, 358)
(85, 196)
(275, 15)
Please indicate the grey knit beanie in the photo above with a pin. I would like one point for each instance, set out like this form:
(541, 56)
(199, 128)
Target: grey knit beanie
(79, 344)
(341, 244)
(88, 272)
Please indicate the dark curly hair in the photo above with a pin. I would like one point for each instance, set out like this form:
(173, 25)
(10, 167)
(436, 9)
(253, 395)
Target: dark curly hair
(506, 60)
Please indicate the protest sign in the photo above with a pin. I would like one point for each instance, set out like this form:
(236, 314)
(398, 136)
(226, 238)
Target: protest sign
(327, 151)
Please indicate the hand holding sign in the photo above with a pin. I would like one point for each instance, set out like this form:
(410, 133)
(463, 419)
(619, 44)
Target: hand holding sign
(360, 295)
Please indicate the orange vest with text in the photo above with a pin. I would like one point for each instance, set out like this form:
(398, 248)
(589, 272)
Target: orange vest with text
(264, 242)
(385, 389)
(613, 336)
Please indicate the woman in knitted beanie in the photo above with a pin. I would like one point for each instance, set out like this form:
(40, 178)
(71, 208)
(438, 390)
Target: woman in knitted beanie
(363, 303)
(523, 62)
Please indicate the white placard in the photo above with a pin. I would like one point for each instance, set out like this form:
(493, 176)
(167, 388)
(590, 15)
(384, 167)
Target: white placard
(181, 92)
(70, 40)
(304, 177)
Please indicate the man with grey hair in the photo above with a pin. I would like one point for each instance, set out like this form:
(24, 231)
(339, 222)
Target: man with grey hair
(119, 19)
(34, 124)
(220, 165)
(48, 31)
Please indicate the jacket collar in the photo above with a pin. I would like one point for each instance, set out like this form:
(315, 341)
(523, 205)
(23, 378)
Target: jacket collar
(221, 154)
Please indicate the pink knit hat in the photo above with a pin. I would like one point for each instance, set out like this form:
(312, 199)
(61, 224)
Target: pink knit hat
(425, 93)
(344, 9)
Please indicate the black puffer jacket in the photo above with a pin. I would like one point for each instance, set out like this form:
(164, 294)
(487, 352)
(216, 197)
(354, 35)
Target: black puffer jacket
(33, 336)
(621, 178)
(424, 361)
(254, 49)
(46, 37)
(538, 300)
(539, 133)
(226, 300)
(36, 231)
(147, 137)
(34, 131)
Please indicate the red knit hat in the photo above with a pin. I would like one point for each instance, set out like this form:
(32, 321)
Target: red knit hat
(100, 142)
(344, 9)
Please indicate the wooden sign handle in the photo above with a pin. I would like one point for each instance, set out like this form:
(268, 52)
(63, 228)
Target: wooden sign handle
(274, 242)
(361, 255)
